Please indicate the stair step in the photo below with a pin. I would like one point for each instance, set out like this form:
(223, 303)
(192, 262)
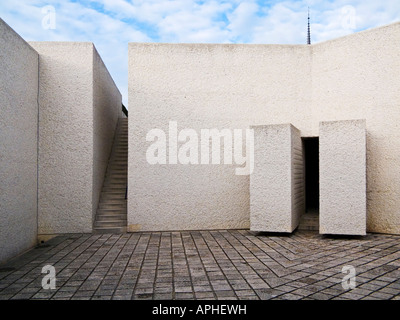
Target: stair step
(115, 184)
(108, 205)
(104, 230)
(109, 211)
(116, 177)
(119, 157)
(109, 224)
(111, 217)
(309, 222)
(118, 173)
(114, 189)
(114, 202)
(109, 180)
(113, 192)
(119, 179)
(112, 196)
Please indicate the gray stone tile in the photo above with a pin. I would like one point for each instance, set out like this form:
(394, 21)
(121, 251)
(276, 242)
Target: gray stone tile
(208, 295)
(224, 264)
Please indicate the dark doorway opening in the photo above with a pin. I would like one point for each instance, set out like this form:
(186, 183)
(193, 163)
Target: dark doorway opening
(311, 164)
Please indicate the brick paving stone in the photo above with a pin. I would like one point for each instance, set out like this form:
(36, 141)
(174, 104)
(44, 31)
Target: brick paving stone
(202, 288)
(290, 296)
(22, 296)
(184, 296)
(352, 295)
(226, 294)
(389, 291)
(381, 295)
(219, 264)
(370, 298)
(163, 296)
(142, 296)
(100, 297)
(321, 296)
(303, 292)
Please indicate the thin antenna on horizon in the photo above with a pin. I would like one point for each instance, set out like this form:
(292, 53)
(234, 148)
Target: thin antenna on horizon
(308, 28)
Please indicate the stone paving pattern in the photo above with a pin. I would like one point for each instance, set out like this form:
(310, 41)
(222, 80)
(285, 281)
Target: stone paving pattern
(222, 264)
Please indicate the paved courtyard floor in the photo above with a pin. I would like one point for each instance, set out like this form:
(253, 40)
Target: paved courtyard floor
(224, 264)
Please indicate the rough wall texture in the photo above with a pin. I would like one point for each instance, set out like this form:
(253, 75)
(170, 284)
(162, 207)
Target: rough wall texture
(276, 201)
(358, 77)
(234, 86)
(297, 177)
(18, 143)
(79, 109)
(342, 177)
(205, 87)
(107, 102)
(65, 137)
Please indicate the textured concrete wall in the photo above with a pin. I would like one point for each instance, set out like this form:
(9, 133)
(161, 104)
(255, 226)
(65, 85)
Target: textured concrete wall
(297, 177)
(358, 77)
(65, 137)
(204, 87)
(234, 86)
(342, 147)
(79, 109)
(107, 108)
(276, 201)
(18, 143)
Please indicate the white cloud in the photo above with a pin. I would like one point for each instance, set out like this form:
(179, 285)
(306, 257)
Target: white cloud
(194, 23)
(111, 24)
(242, 21)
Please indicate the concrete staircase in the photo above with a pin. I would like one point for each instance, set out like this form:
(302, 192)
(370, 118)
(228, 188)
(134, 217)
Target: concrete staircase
(309, 221)
(111, 214)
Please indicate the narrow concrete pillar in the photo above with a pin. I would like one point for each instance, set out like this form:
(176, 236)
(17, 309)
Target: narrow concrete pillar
(277, 182)
(342, 170)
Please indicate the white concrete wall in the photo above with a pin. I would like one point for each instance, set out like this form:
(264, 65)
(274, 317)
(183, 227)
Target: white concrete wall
(342, 162)
(79, 109)
(18, 143)
(65, 137)
(107, 108)
(276, 198)
(204, 87)
(358, 77)
(297, 178)
(234, 86)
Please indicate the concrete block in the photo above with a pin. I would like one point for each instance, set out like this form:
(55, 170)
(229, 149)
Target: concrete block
(18, 143)
(79, 109)
(277, 183)
(343, 177)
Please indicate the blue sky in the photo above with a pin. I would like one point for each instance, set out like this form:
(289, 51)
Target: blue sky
(111, 24)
